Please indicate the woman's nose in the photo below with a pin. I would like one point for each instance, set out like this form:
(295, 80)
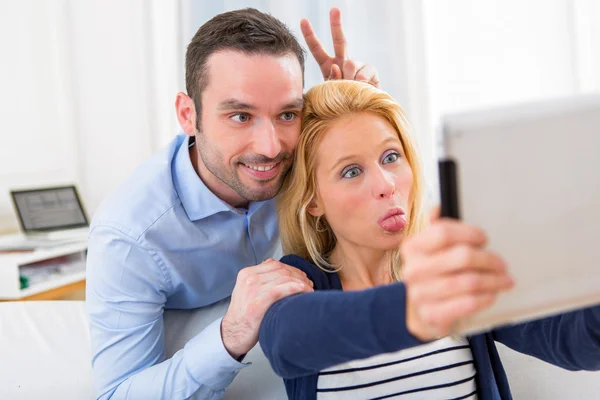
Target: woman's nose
(385, 186)
(388, 193)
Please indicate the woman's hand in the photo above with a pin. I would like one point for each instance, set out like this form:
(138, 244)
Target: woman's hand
(449, 275)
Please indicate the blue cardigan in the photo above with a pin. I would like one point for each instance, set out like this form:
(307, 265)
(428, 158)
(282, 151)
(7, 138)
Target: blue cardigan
(306, 333)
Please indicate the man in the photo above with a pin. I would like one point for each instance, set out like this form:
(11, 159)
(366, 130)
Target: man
(196, 222)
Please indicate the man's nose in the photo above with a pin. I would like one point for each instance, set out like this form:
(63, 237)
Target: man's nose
(267, 141)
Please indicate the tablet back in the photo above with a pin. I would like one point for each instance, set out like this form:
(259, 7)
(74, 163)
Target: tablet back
(529, 175)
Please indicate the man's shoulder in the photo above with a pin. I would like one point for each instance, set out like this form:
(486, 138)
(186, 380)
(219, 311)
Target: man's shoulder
(143, 198)
(321, 278)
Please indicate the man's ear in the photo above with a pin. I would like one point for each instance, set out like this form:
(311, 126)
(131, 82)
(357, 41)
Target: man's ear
(186, 113)
(314, 208)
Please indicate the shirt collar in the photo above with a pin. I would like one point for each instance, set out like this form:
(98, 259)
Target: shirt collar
(198, 201)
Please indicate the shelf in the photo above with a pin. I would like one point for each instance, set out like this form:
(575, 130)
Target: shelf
(58, 278)
(46, 253)
(52, 284)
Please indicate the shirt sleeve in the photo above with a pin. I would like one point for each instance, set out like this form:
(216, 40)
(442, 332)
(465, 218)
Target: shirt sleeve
(306, 333)
(127, 288)
(570, 340)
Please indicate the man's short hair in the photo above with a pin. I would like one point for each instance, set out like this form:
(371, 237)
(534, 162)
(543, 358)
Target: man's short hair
(249, 31)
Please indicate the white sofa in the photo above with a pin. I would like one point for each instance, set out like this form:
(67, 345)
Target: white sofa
(44, 353)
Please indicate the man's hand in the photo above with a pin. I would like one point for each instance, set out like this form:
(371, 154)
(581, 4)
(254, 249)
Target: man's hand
(256, 289)
(340, 66)
(449, 276)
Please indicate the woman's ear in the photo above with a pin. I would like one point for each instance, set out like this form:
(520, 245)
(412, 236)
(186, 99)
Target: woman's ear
(314, 208)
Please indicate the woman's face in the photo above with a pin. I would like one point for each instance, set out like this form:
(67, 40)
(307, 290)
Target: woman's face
(364, 182)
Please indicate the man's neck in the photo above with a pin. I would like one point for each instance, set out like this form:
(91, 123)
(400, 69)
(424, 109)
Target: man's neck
(214, 184)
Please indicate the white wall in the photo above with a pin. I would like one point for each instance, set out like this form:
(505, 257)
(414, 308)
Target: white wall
(479, 54)
(116, 91)
(87, 92)
(586, 28)
(36, 132)
(87, 88)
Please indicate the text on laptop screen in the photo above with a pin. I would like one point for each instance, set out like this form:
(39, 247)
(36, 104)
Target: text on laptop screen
(49, 209)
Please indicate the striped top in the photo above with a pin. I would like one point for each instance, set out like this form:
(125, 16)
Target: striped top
(442, 369)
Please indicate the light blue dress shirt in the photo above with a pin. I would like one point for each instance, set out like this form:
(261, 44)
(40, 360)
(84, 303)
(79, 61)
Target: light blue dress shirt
(163, 240)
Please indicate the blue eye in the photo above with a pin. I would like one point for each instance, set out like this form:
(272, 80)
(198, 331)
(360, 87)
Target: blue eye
(288, 116)
(351, 172)
(390, 158)
(241, 117)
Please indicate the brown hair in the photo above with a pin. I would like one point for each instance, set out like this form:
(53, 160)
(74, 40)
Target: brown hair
(249, 31)
(325, 104)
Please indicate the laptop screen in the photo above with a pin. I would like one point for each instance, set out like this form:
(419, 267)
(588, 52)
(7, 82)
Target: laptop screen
(49, 209)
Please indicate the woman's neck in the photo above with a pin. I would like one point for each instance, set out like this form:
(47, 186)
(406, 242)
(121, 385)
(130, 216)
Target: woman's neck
(362, 268)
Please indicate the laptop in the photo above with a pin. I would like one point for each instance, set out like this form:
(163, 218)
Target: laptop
(48, 217)
(529, 175)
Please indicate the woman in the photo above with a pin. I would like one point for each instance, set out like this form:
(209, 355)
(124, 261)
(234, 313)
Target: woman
(378, 326)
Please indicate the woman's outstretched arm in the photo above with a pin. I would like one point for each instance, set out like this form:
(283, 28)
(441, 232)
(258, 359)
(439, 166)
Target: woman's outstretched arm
(306, 333)
(570, 340)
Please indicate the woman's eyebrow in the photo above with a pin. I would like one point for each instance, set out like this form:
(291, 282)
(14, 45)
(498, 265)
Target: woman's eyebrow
(343, 160)
(386, 142)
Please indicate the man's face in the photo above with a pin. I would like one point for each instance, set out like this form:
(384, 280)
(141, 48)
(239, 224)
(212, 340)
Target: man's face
(249, 123)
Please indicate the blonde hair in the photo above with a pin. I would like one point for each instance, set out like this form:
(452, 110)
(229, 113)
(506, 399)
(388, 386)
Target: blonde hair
(301, 233)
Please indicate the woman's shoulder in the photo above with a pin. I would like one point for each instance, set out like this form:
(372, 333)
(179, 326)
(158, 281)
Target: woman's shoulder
(321, 279)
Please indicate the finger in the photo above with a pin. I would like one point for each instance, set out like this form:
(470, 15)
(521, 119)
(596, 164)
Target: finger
(280, 268)
(268, 267)
(471, 282)
(349, 68)
(435, 213)
(336, 72)
(278, 292)
(454, 260)
(443, 234)
(281, 280)
(367, 73)
(314, 45)
(443, 316)
(337, 34)
(285, 274)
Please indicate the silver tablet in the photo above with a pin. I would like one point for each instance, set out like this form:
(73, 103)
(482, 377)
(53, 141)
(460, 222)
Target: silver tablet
(529, 175)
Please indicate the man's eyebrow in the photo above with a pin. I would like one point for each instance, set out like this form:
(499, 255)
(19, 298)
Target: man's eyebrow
(232, 104)
(296, 104)
(236, 105)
